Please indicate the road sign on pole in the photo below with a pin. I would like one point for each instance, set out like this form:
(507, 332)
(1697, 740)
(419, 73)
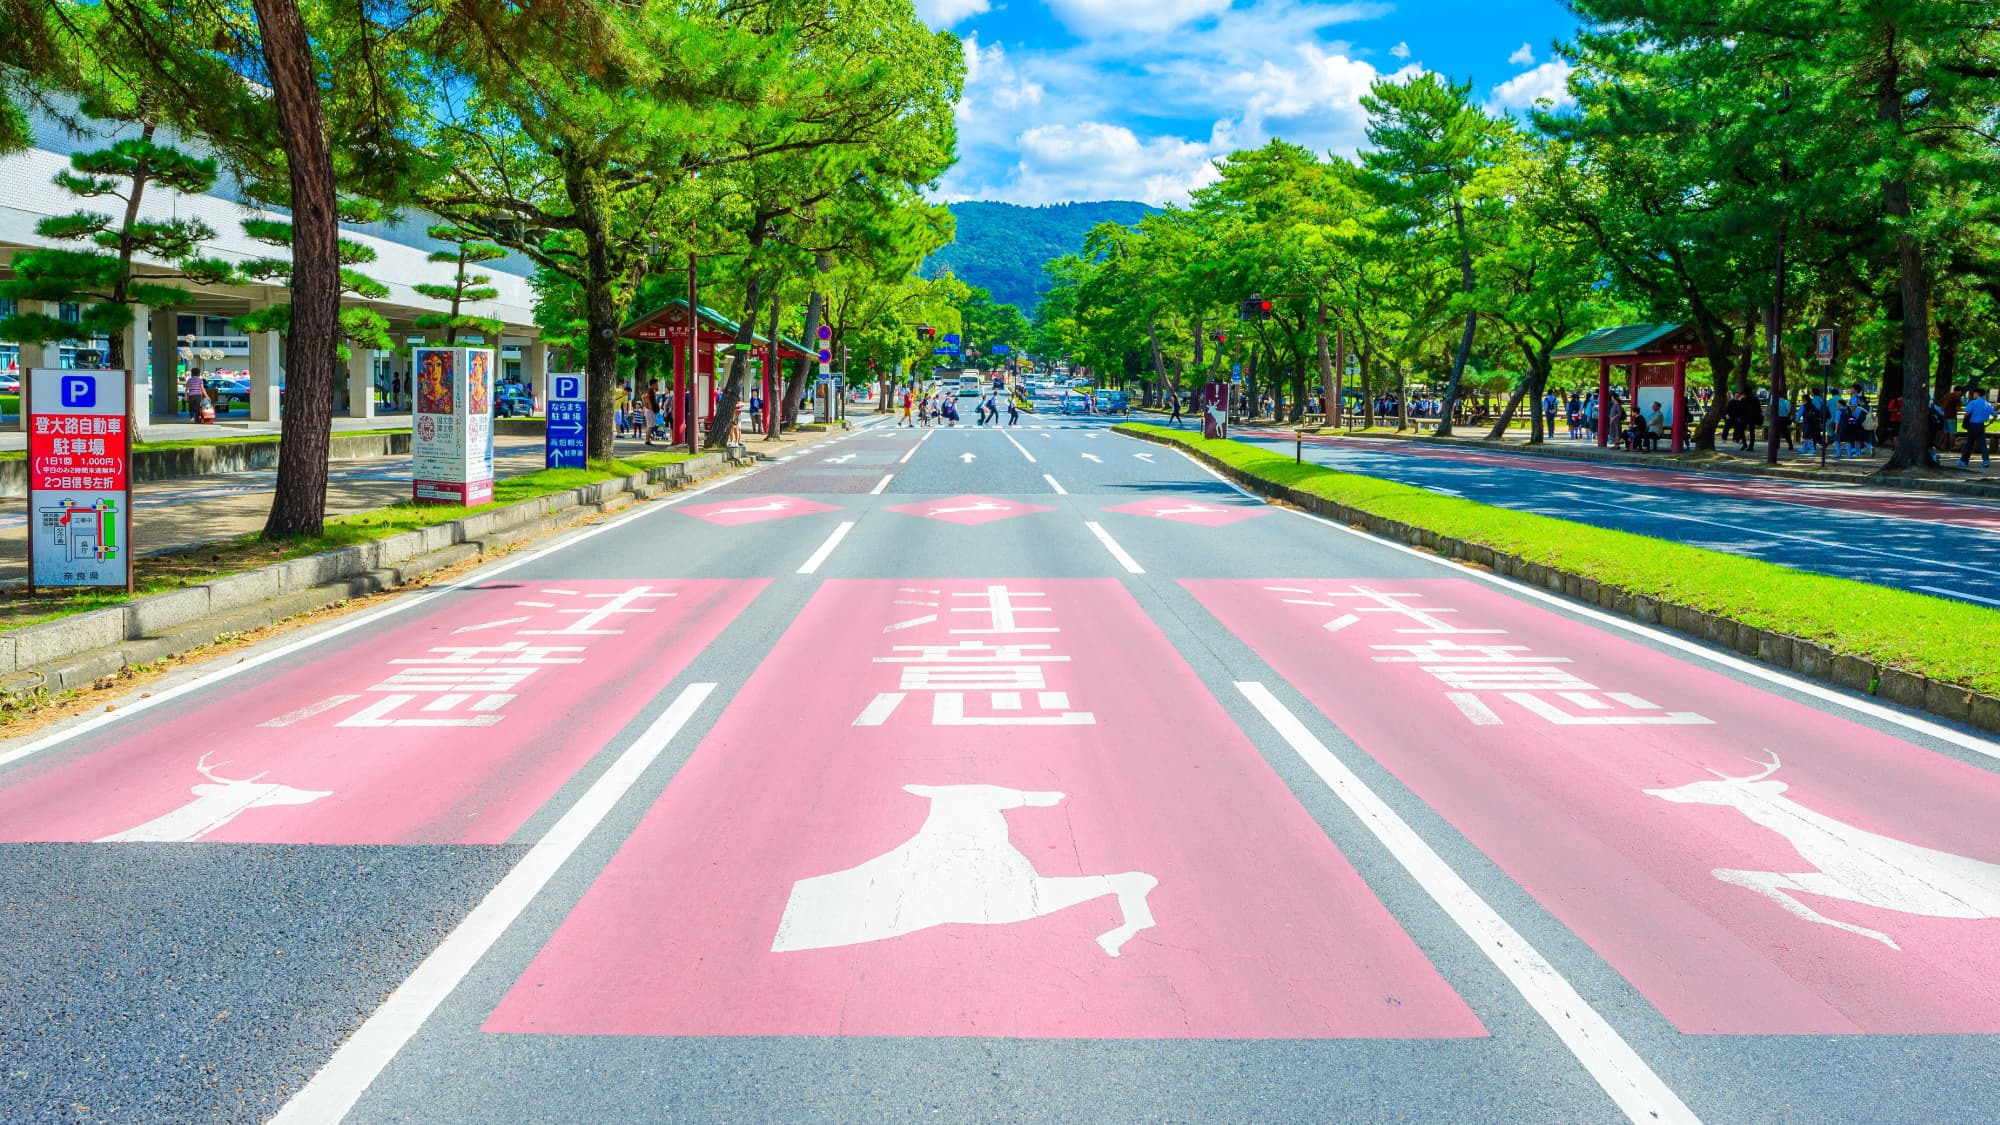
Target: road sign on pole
(79, 485)
(567, 443)
(1823, 347)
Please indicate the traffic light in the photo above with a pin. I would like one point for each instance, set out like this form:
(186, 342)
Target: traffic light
(1221, 337)
(1254, 307)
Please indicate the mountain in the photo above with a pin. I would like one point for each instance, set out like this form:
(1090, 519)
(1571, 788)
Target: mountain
(1001, 246)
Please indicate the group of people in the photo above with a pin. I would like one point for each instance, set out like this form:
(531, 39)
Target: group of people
(647, 413)
(932, 406)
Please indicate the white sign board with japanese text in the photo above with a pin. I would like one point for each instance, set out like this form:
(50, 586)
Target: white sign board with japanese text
(79, 482)
(451, 443)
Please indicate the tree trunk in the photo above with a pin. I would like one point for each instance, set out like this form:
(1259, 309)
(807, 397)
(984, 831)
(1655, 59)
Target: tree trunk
(1911, 451)
(1327, 401)
(1159, 361)
(600, 305)
(298, 507)
(739, 365)
(796, 388)
(1949, 336)
(1521, 388)
(1450, 404)
(777, 369)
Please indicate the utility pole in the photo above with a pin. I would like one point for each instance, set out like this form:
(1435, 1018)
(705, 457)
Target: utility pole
(693, 357)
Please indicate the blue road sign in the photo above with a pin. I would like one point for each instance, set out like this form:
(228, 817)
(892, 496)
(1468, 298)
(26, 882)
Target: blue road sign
(1001, 349)
(944, 351)
(568, 445)
(951, 338)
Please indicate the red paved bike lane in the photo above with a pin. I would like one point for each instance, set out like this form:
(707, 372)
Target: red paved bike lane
(451, 728)
(1750, 864)
(979, 808)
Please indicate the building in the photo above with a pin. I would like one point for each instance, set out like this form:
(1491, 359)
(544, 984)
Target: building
(165, 340)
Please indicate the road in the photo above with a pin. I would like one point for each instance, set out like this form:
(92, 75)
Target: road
(995, 774)
(1947, 547)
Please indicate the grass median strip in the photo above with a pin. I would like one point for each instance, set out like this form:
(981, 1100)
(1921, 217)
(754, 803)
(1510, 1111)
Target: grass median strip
(1916, 633)
(194, 565)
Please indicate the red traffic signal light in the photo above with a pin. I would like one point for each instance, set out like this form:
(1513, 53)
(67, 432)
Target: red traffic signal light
(1264, 307)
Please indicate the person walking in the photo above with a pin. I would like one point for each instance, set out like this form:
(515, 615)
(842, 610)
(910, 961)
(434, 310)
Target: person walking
(1812, 424)
(197, 396)
(1174, 404)
(1978, 412)
(907, 399)
(1013, 411)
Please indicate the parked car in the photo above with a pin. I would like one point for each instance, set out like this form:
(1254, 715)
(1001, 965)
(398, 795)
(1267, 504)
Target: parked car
(512, 400)
(226, 390)
(1113, 402)
(10, 384)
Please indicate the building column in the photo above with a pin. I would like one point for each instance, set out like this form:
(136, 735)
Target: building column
(538, 374)
(266, 362)
(360, 382)
(1603, 403)
(166, 361)
(139, 369)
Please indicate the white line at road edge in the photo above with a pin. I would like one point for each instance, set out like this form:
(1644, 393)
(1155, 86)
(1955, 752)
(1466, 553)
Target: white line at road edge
(1961, 739)
(341, 1082)
(1130, 564)
(881, 484)
(1055, 484)
(1640, 1093)
(826, 548)
(1019, 446)
(402, 604)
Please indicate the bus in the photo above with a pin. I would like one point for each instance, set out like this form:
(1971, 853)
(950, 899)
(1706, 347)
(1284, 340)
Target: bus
(968, 384)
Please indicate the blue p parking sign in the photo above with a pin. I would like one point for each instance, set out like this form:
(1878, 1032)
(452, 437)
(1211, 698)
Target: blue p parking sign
(568, 440)
(79, 392)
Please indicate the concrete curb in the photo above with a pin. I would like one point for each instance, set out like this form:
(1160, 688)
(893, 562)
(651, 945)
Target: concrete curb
(1808, 659)
(1975, 489)
(73, 651)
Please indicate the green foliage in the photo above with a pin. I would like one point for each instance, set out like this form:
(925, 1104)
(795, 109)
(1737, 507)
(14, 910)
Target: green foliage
(360, 326)
(465, 285)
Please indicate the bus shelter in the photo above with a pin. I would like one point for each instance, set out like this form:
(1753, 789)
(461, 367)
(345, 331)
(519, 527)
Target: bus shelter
(669, 324)
(1655, 359)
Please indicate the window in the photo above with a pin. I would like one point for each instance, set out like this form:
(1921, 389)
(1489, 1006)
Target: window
(184, 325)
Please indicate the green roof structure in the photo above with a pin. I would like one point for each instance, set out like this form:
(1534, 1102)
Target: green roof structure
(1631, 340)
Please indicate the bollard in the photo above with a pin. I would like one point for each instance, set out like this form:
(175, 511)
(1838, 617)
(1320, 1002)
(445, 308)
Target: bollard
(1299, 449)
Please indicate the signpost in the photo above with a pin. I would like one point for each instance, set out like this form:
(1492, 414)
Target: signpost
(1823, 344)
(567, 445)
(451, 444)
(79, 481)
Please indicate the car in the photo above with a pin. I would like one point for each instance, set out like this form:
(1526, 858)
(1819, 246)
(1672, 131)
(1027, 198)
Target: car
(10, 385)
(1113, 402)
(225, 390)
(512, 400)
(1076, 404)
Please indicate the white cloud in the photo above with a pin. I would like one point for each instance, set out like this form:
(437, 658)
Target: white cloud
(944, 13)
(1111, 17)
(1523, 57)
(1400, 50)
(1546, 84)
(990, 79)
(1095, 160)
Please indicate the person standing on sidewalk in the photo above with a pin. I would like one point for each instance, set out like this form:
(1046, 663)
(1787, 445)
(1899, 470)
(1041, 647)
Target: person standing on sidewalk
(197, 395)
(1978, 412)
(1785, 422)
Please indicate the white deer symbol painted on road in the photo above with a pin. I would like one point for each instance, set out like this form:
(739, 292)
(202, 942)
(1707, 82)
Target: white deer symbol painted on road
(1849, 863)
(960, 868)
(217, 803)
(982, 506)
(767, 506)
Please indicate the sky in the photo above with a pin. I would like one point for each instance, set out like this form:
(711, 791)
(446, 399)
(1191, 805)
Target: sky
(1069, 100)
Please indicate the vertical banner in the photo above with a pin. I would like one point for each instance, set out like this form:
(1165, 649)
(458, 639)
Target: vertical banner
(452, 426)
(79, 488)
(567, 445)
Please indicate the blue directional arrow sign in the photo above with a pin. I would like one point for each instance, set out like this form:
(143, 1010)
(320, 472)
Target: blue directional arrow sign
(569, 423)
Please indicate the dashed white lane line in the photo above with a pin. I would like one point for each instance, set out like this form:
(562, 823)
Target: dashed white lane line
(341, 1082)
(1055, 484)
(1125, 560)
(1019, 446)
(881, 485)
(812, 564)
(1639, 1092)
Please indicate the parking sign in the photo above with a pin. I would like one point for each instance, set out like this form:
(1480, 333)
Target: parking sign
(79, 487)
(567, 444)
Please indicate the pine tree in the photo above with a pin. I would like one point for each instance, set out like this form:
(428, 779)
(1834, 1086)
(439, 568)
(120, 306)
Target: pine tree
(465, 286)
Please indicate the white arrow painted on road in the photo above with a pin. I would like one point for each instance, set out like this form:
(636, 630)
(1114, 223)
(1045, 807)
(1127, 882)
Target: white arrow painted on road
(840, 460)
(1146, 457)
(1093, 457)
(966, 457)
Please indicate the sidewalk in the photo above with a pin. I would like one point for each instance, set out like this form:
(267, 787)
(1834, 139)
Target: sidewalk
(1727, 458)
(178, 428)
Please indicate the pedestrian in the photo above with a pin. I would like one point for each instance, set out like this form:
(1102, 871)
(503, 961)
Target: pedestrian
(1656, 421)
(1951, 406)
(908, 398)
(1978, 412)
(197, 395)
(1174, 404)
(1785, 422)
(1812, 423)
(1013, 411)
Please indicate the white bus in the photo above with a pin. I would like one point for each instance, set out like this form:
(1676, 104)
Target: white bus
(968, 384)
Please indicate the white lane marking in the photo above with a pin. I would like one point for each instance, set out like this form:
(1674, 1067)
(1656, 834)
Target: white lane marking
(911, 452)
(826, 548)
(1050, 437)
(1618, 1069)
(307, 712)
(928, 434)
(1146, 457)
(882, 484)
(879, 709)
(484, 574)
(1125, 560)
(1093, 457)
(1473, 708)
(968, 458)
(1956, 594)
(341, 1082)
(1019, 446)
(1055, 484)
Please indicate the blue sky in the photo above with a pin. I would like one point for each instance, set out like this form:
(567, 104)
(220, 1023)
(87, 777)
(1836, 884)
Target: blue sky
(1133, 99)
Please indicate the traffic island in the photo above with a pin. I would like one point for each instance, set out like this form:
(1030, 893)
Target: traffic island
(1898, 646)
(72, 639)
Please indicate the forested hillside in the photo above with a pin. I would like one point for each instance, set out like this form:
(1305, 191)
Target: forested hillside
(1001, 246)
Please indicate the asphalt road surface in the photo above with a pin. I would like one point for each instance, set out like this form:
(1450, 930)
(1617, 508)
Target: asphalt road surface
(1932, 544)
(996, 774)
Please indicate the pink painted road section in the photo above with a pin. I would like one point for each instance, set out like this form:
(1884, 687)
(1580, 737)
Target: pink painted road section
(970, 510)
(1751, 865)
(960, 808)
(452, 728)
(1182, 509)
